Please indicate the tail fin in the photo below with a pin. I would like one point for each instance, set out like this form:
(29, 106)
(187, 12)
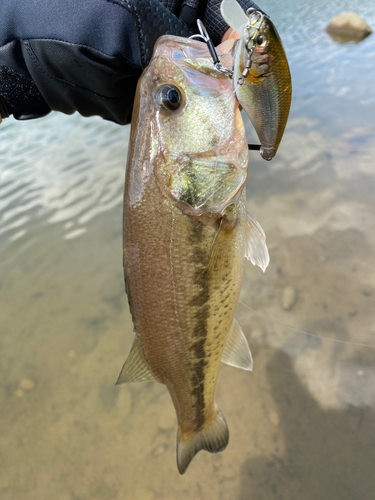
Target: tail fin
(212, 437)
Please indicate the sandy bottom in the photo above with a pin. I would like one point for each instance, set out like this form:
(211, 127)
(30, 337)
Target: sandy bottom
(302, 424)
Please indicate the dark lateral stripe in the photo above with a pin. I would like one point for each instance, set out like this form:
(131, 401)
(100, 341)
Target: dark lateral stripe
(202, 312)
(198, 348)
(200, 299)
(198, 393)
(199, 368)
(196, 232)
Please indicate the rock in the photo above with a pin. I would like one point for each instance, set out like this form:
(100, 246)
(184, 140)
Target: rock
(257, 334)
(159, 450)
(289, 297)
(26, 384)
(274, 417)
(348, 27)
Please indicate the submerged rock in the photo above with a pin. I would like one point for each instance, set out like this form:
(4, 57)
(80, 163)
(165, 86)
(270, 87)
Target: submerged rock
(348, 27)
(288, 298)
(26, 385)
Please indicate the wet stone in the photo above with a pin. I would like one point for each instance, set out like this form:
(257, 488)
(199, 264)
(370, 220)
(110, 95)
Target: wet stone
(26, 385)
(274, 418)
(288, 298)
(347, 27)
(159, 450)
(217, 462)
(257, 334)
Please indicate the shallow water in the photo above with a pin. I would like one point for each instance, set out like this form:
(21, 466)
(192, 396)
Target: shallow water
(303, 423)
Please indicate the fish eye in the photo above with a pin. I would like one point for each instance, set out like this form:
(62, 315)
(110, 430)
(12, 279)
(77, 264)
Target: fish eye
(261, 41)
(169, 97)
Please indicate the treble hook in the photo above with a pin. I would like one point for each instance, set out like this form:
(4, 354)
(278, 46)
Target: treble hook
(207, 39)
(215, 58)
(216, 61)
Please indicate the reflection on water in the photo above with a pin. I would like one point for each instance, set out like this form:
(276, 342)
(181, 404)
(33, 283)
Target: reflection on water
(302, 424)
(59, 171)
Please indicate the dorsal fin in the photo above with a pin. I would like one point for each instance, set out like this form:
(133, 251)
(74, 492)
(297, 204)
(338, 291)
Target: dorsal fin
(256, 248)
(135, 368)
(236, 350)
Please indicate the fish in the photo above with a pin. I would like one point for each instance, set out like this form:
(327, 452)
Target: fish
(264, 88)
(186, 235)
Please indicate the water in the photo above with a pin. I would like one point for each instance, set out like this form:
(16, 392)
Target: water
(302, 424)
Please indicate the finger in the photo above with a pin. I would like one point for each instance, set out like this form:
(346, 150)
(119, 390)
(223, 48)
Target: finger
(230, 33)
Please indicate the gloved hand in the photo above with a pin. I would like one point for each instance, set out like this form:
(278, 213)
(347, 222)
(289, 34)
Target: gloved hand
(86, 56)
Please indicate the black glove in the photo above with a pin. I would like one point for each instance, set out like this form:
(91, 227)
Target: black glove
(86, 56)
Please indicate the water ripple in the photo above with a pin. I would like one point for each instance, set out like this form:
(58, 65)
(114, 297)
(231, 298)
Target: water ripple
(320, 66)
(66, 170)
(58, 170)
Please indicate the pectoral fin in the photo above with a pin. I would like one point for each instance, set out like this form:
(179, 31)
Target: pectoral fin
(256, 249)
(135, 368)
(237, 351)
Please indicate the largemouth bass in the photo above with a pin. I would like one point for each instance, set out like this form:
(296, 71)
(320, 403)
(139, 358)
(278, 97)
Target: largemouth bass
(261, 74)
(186, 234)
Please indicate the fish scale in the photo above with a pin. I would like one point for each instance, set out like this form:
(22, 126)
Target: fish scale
(187, 288)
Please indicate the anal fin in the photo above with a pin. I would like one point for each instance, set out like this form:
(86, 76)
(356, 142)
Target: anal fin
(236, 350)
(256, 249)
(135, 368)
